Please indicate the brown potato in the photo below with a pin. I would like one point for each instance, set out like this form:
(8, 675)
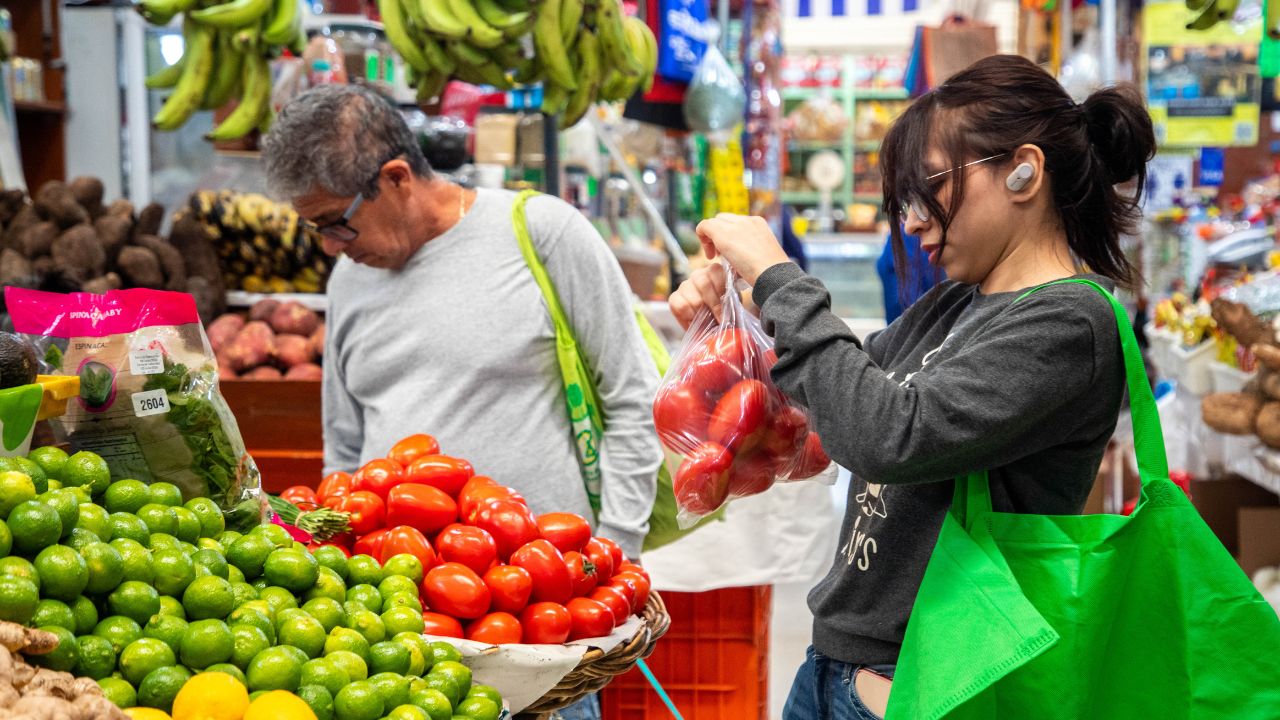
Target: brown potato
(255, 345)
(305, 371)
(1268, 425)
(317, 341)
(223, 330)
(292, 317)
(293, 350)
(88, 192)
(78, 253)
(1231, 413)
(265, 372)
(263, 309)
(140, 267)
(56, 202)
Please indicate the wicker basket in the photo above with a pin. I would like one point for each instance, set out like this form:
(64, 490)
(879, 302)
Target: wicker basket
(597, 669)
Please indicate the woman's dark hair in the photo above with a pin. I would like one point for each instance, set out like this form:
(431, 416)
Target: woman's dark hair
(1003, 102)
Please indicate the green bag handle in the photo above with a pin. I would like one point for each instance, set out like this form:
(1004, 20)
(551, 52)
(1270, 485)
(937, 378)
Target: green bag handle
(973, 495)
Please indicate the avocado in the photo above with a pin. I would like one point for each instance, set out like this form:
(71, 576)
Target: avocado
(17, 361)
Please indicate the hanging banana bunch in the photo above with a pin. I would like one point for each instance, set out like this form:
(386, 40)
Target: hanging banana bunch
(582, 51)
(226, 56)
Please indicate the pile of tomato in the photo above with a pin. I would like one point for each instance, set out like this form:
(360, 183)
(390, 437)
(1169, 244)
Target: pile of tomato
(738, 434)
(494, 572)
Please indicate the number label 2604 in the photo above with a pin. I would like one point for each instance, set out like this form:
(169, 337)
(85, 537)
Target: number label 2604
(153, 402)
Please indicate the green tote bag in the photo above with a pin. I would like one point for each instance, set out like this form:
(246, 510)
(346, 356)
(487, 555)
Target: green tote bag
(1088, 616)
(583, 401)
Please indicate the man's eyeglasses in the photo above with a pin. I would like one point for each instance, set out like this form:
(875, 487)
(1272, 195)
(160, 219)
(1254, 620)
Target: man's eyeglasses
(915, 205)
(339, 230)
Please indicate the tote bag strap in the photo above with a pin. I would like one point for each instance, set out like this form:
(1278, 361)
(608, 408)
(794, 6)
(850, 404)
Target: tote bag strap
(972, 494)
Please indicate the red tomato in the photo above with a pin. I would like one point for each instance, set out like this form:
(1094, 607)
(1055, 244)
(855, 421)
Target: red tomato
(582, 574)
(629, 566)
(546, 623)
(378, 476)
(786, 431)
(681, 413)
(739, 417)
(421, 506)
(453, 589)
(334, 484)
(441, 625)
(366, 510)
(412, 448)
(551, 579)
(601, 556)
(615, 551)
(813, 459)
(469, 504)
(638, 583)
(509, 586)
(617, 600)
(591, 618)
(701, 483)
(510, 523)
(371, 544)
(566, 531)
(471, 546)
(475, 482)
(441, 471)
(496, 628)
(300, 495)
(717, 362)
(405, 539)
(753, 473)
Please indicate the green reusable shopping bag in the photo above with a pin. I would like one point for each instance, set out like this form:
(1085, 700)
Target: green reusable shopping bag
(585, 417)
(1088, 616)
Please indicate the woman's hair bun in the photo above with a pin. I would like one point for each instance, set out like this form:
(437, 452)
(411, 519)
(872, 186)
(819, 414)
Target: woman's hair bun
(1120, 131)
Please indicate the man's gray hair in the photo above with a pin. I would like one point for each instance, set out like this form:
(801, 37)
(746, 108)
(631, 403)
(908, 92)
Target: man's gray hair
(337, 138)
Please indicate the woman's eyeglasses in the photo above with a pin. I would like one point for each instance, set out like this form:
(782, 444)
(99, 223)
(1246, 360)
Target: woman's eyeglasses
(915, 205)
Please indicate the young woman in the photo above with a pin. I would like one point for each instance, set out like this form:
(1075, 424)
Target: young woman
(1009, 185)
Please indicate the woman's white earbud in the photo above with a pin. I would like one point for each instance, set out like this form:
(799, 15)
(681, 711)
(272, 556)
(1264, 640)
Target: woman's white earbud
(1020, 176)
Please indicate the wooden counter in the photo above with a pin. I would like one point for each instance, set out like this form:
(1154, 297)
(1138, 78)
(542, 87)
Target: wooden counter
(281, 425)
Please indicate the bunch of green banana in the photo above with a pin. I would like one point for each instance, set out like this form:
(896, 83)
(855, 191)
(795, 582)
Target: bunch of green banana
(226, 56)
(581, 51)
(262, 243)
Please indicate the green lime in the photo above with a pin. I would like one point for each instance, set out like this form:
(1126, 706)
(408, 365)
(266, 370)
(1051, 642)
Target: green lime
(403, 619)
(290, 569)
(435, 703)
(393, 584)
(364, 570)
(260, 584)
(368, 624)
(86, 469)
(188, 525)
(80, 539)
(228, 669)
(208, 597)
(15, 489)
(327, 610)
(126, 496)
(205, 643)
(404, 565)
(214, 561)
(442, 651)
(96, 520)
(6, 539)
(366, 595)
(172, 607)
(80, 494)
(249, 553)
(35, 526)
(68, 506)
(392, 688)
(243, 592)
(14, 566)
(274, 669)
(247, 642)
(53, 612)
(332, 558)
(54, 485)
(173, 569)
(136, 560)
(417, 640)
(253, 617)
(205, 543)
(163, 541)
(62, 658)
(350, 663)
(358, 701)
(159, 518)
(264, 608)
(50, 459)
(303, 632)
(324, 672)
(134, 600)
(417, 658)
(276, 535)
(106, 568)
(209, 514)
(408, 712)
(480, 708)
(388, 657)
(161, 686)
(97, 657)
(487, 691)
(345, 639)
(278, 598)
(445, 685)
(455, 671)
(129, 527)
(32, 470)
(119, 692)
(295, 652)
(142, 656)
(120, 631)
(319, 699)
(402, 600)
(163, 493)
(167, 629)
(86, 615)
(63, 573)
(226, 538)
(235, 574)
(328, 585)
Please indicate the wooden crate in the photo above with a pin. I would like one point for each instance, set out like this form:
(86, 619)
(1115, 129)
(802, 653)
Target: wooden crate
(281, 424)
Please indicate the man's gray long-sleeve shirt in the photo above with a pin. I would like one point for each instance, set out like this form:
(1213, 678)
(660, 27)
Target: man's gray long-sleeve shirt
(459, 344)
(962, 382)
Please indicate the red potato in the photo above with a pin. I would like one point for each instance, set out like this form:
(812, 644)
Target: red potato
(317, 341)
(293, 350)
(305, 371)
(225, 372)
(263, 309)
(254, 346)
(292, 317)
(223, 330)
(265, 372)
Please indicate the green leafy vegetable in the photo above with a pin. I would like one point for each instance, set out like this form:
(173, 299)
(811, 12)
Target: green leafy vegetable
(95, 385)
(53, 357)
(197, 419)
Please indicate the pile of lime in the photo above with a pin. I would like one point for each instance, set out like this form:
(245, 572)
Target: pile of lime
(144, 591)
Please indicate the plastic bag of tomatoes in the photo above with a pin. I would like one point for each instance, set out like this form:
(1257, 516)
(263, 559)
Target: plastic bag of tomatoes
(728, 430)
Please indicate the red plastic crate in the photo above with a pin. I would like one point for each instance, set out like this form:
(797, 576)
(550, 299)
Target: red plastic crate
(714, 662)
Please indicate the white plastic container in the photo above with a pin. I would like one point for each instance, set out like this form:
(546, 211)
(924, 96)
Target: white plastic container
(1161, 344)
(1227, 378)
(1191, 367)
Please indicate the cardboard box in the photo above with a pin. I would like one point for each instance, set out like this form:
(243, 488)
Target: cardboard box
(1259, 529)
(1219, 502)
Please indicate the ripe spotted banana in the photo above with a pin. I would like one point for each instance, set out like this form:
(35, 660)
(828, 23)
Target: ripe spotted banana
(232, 15)
(550, 45)
(189, 92)
(255, 103)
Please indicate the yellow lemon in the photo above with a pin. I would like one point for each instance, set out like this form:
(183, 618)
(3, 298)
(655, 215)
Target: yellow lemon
(279, 705)
(143, 713)
(211, 696)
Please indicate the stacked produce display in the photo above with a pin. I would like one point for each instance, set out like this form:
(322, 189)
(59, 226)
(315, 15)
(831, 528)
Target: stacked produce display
(28, 691)
(143, 591)
(274, 341)
(1255, 410)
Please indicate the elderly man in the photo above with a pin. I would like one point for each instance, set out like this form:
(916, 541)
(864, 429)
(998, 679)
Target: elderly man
(436, 325)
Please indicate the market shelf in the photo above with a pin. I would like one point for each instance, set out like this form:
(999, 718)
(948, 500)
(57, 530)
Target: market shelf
(1247, 457)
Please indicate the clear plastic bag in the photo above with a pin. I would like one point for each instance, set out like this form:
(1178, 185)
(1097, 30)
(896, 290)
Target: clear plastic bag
(716, 99)
(728, 431)
(149, 402)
